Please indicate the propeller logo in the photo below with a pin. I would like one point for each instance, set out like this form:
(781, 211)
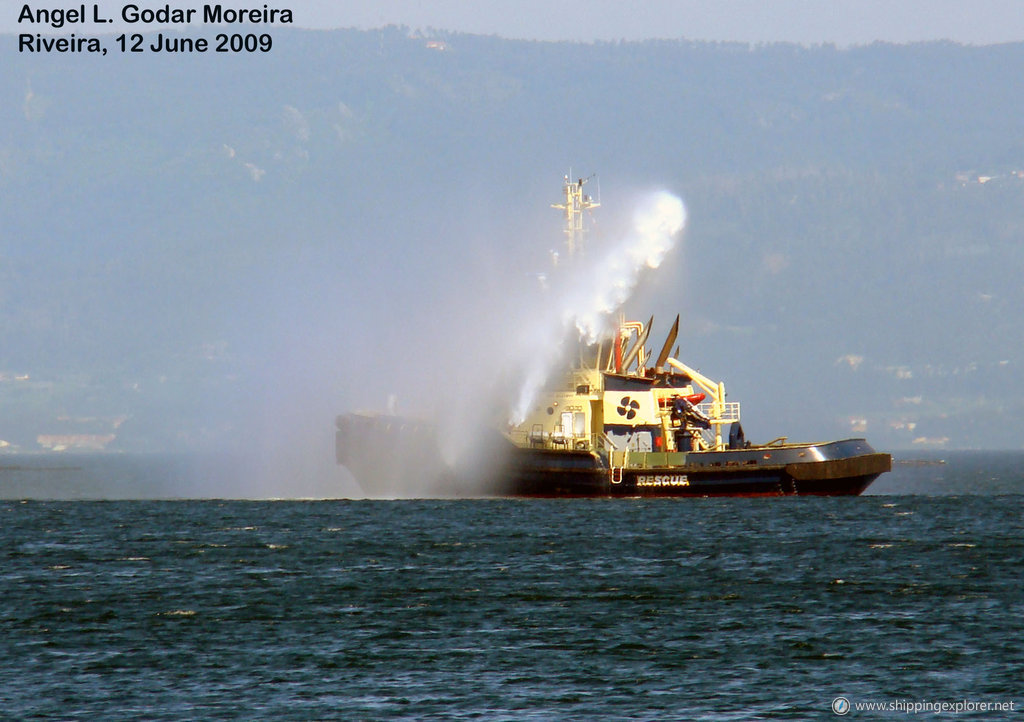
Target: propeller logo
(628, 407)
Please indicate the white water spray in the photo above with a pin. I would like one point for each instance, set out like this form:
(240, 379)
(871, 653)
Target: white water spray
(590, 293)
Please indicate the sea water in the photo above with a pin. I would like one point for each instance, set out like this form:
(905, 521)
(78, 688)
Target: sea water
(709, 609)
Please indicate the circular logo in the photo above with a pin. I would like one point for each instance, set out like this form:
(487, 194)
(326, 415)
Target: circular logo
(627, 407)
(841, 705)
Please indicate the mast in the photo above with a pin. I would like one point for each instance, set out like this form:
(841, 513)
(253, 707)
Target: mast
(575, 203)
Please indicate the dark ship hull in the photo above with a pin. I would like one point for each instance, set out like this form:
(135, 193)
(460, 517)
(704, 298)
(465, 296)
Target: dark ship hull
(838, 468)
(386, 453)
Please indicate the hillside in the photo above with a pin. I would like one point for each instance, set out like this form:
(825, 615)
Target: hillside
(204, 251)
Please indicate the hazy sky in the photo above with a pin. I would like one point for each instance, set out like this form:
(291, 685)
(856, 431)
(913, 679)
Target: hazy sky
(844, 22)
(806, 21)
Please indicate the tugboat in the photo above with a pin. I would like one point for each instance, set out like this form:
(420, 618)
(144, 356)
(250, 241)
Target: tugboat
(620, 422)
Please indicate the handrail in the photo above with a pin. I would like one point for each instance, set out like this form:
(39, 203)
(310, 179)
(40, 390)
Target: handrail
(728, 412)
(557, 439)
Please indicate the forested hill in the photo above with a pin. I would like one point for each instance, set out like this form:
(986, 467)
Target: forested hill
(179, 234)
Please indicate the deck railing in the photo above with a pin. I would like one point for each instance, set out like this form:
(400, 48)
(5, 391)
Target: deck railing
(538, 438)
(729, 411)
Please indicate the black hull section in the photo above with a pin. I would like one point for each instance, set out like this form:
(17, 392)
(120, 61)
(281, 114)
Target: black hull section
(392, 456)
(840, 468)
